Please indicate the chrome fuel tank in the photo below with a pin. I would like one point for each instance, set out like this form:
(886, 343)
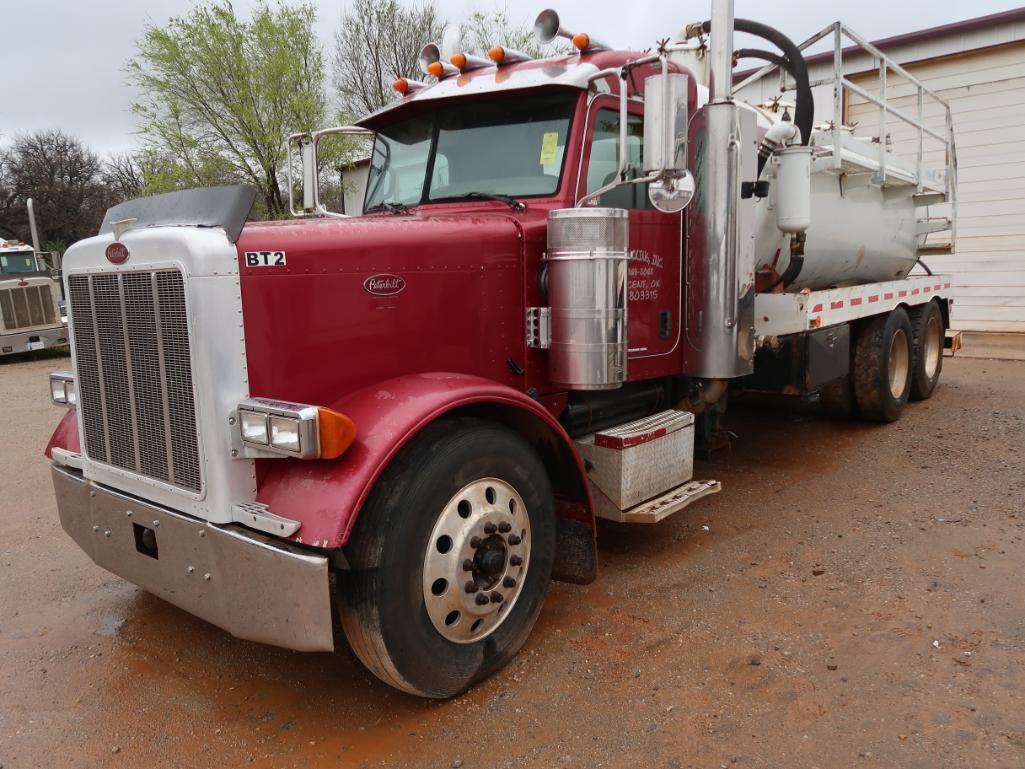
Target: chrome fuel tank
(587, 264)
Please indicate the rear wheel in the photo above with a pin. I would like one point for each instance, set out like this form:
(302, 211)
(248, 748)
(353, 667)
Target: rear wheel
(882, 366)
(450, 560)
(927, 332)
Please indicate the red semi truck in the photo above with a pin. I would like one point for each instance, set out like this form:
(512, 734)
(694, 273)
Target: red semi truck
(406, 423)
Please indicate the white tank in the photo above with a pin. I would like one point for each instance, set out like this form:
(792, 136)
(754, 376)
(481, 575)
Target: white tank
(858, 233)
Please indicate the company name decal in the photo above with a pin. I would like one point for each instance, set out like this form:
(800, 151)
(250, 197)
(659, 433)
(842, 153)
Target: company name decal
(384, 285)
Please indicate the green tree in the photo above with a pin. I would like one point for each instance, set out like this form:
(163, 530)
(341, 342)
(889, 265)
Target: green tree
(220, 95)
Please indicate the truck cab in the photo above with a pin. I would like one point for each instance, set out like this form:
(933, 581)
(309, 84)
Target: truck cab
(30, 311)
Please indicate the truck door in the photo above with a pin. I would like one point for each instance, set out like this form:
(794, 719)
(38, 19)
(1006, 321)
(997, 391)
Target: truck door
(656, 242)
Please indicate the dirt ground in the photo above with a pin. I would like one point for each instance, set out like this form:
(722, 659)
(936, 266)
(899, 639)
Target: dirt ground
(853, 598)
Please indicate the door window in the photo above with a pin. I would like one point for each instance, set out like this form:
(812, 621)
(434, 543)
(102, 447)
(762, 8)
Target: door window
(601, 169)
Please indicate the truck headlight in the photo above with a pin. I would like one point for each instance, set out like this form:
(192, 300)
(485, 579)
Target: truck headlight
(254, 427)
(285, 434)
(62, 389)
(293, 429)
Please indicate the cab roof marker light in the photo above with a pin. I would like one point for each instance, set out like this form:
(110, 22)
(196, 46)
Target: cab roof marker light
(466, 62)
(406, 86)
(501, 55)
(431, 62)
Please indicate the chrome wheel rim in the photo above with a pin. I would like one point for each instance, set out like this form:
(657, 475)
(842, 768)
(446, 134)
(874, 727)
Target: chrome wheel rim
(476, 560)
(898, 363)
(932, 347)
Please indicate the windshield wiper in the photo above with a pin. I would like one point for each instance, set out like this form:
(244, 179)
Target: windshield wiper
(509, 200)
(392, 208)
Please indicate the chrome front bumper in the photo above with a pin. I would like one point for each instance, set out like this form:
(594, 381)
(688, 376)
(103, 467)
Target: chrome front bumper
(251, 585)
(14, 342)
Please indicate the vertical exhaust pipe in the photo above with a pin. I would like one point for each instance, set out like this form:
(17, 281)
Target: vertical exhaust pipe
(720, 330)
(32, 225)
(721, 52)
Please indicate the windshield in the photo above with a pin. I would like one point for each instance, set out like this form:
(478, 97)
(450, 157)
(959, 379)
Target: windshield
(507, 146)
(17, 262)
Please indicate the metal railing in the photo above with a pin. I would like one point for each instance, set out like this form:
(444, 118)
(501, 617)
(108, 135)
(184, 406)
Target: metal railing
(838, 30)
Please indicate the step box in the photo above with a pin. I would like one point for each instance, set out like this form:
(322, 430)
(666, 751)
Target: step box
(637, 461)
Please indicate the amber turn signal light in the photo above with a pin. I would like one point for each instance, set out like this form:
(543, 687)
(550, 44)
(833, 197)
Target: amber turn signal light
(337, 432)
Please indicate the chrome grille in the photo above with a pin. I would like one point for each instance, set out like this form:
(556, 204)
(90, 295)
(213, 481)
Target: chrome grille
(135, 374)
(27, 306)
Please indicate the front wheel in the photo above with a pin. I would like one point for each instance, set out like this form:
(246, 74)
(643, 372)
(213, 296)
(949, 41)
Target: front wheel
(450, 559)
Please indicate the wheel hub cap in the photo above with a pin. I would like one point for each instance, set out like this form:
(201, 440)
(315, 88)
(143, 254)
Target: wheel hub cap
(476, 560)
(898, 367)
(933, 347)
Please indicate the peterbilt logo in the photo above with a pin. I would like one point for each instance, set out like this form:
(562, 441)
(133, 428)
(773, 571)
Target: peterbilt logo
(384, 285)
(117, 253)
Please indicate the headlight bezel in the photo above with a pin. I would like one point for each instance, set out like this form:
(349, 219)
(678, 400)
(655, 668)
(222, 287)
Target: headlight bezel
(63, 391)
(304, 419)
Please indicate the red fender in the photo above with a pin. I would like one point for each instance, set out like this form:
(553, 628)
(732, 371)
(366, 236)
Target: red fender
(326, 496)
(65, 436)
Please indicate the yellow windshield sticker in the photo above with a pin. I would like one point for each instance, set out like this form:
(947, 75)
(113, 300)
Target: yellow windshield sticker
(549, 147)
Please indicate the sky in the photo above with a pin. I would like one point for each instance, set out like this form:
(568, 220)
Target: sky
(62, 61)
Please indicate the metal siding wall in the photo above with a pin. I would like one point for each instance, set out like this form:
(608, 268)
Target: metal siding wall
(986, 91)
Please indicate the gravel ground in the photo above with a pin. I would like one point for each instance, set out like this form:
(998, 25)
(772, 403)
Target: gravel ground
(853, 598)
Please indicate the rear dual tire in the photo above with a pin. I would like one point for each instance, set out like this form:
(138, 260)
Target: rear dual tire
(883, 358)
(928, 332)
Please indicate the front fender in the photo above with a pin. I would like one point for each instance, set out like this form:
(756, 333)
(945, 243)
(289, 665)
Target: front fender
(65, 436)
(326, 496)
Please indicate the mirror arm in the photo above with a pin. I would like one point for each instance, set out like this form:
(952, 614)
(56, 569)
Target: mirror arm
(308, 152)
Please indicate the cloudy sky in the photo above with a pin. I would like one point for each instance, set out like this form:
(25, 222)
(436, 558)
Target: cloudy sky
(61, 61)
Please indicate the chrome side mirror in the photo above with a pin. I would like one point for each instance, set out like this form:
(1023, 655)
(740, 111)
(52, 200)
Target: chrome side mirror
(672, 195)
(665, 141)
(309, 157)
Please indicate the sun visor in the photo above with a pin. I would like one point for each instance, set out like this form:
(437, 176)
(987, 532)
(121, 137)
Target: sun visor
(225, 207)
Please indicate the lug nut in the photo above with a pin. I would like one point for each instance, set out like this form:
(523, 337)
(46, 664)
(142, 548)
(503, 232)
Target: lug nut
(474, 542)
(514, 539)
(470, 587)
(515, 560)
(496, 597)
(482, 600)
(467, 565)
(490, 528)
(508, 582)
(505, 527)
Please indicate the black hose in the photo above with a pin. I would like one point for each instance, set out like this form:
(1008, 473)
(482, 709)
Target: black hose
(780, 61)
(758, 53)
(804, 111)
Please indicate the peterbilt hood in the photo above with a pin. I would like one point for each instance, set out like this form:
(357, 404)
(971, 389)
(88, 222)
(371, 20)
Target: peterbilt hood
(333, 305)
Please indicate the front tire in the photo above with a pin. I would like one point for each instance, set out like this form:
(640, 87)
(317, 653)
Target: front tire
(464, 493)
(882, 366)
